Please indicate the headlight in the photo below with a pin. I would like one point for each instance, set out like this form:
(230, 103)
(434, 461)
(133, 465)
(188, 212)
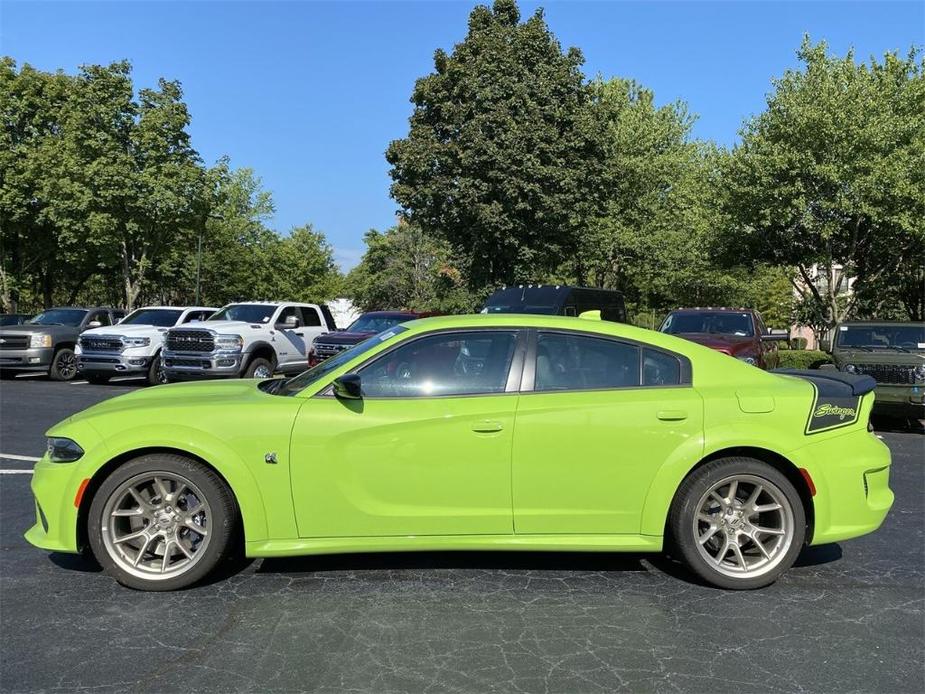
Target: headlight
(747, 360)
(229, 343)
(136, 341)
(40, 340)
(62, 450)
(851, 368)
(920, 373)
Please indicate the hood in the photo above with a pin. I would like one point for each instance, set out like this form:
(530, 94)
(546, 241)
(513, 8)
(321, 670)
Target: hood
(44, 329)
(724, 343)
(344, 337)
(193, 395)
(879, 356)
(225, 327)
(127, 330)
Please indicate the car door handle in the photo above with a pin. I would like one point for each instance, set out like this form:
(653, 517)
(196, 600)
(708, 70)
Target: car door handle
(486, 426)
(671, 415)
(299, 334)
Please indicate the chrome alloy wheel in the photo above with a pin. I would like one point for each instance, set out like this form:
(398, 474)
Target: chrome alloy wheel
(743, 526)
(67, 364)
(156, 525)
(263, 372)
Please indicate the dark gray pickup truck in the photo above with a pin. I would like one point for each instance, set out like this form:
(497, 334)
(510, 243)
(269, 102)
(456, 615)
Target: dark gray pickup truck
(46, 343)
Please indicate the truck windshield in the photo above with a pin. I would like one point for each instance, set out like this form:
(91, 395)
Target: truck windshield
(159, 317)
(908, 337)
(542, 300)
(306, 378)
(372, 323)
(248, 313)
(60, 316)
(714, 322)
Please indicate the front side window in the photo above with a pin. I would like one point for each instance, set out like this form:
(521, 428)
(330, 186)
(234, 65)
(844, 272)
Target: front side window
(459, 363)
(248, 313)
(580, 362)
(102, 317)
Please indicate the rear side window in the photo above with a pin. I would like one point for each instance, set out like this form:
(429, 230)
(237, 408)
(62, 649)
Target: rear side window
(660, 369)
(310, 317)
(580, 362)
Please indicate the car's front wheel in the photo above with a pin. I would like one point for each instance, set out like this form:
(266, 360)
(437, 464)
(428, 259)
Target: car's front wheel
(738, 523)
(161, 522)
(63, 365)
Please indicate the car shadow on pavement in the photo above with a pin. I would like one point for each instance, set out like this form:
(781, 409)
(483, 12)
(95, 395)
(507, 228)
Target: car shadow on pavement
(82, 563)
(820, 554)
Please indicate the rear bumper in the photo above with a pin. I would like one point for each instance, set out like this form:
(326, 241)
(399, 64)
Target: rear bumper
(851, 474)
(38, 359)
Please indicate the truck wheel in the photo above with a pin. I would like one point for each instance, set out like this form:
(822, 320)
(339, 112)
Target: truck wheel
(738, 523)
(98, 379)
(63, 365)
(156, 375)
(161, 522)
(259, 368)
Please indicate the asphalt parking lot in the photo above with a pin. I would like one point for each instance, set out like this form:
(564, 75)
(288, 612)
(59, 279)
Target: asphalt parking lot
(847, 618)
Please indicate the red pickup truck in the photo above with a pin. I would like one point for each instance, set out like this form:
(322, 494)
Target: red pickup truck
(738, 332)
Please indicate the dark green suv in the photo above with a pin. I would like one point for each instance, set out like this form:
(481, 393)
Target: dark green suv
(893, 353)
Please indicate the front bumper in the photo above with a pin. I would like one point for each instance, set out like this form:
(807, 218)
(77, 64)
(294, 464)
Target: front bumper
(851, 474)
(55, 526)
(36, 359)
(191, 365)
(112, 363)
(900, 401)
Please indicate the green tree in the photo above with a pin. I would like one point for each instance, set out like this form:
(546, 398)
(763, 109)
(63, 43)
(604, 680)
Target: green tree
(502, 159)
(304, 267)
(404, 268)
(829, 178)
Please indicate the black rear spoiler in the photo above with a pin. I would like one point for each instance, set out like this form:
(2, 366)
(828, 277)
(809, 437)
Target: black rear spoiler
(838, 397)
(835, 383)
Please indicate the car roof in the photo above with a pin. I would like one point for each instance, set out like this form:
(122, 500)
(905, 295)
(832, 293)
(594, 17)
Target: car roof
(713, 309)
(179, 308)
(882, 322)
(390, 313)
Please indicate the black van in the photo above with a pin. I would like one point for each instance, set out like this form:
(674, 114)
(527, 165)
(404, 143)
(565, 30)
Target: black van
(559, 300)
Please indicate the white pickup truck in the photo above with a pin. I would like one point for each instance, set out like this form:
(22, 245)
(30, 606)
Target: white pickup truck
(133, 346)
(245, 340)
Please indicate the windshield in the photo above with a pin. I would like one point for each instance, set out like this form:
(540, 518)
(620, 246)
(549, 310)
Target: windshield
(901, 337)
(249, 313)
(160, 317)
(372, 323)
(717, 323)
(542, 300)
(60, 316)
(306, 378)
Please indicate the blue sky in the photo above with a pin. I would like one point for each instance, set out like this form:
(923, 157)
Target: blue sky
(310, 93)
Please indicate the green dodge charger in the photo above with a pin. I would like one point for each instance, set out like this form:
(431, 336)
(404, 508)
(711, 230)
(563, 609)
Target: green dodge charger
(505, 432)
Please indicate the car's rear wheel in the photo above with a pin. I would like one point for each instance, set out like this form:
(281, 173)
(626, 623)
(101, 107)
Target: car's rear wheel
(738, 523)
(161, 522)
(63, 365)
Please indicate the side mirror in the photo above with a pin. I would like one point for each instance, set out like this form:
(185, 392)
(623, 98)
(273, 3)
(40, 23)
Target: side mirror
(288, 323)
(348, 387)
(94, 324)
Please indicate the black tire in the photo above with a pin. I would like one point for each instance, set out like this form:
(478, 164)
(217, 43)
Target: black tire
(258, 363)
(682, 528)
(156, 375)
(221, 522)
(97, 379)
(63, 365)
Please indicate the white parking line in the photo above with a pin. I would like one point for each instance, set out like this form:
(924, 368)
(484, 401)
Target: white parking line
(11, 456)
(78, 383)
(15, 472)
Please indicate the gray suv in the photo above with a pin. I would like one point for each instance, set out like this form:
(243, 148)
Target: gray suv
(46, 343)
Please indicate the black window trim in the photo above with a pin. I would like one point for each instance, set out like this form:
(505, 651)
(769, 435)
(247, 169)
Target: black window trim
(514, 375)
(529, 369)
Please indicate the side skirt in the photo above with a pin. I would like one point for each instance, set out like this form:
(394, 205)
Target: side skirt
(440, 543)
